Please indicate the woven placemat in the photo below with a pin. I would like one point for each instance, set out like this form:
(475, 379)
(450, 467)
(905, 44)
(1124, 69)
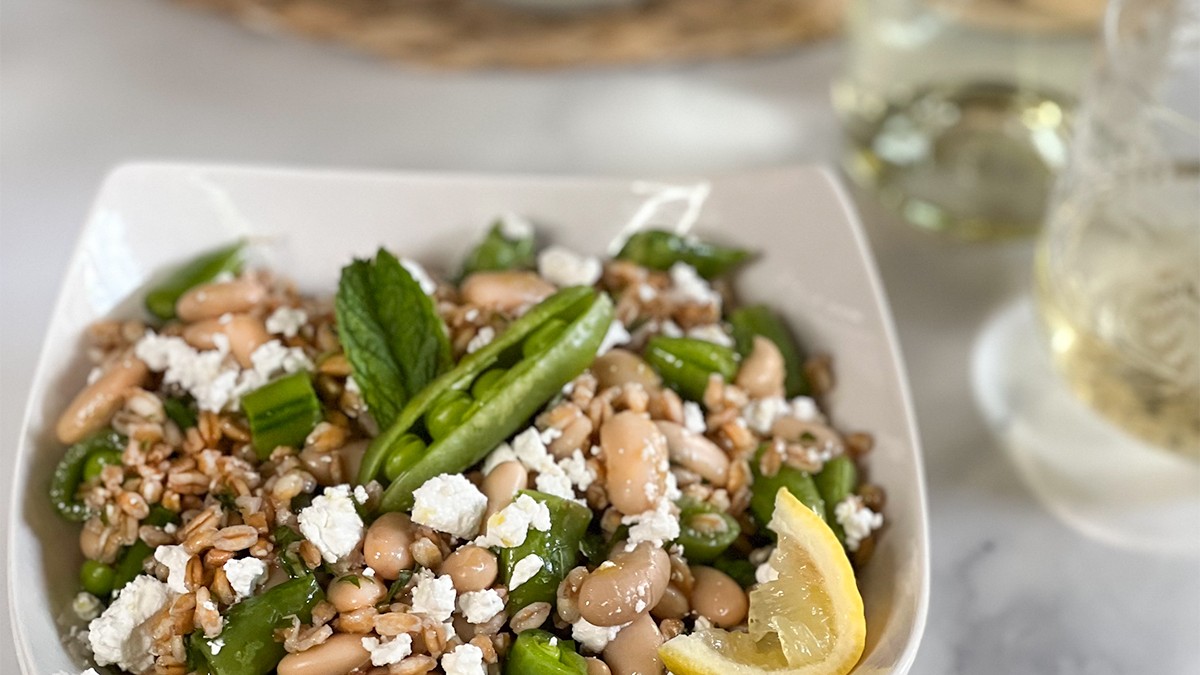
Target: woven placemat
(487, 33)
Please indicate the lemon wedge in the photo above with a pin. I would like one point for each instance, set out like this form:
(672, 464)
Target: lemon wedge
(808, 621)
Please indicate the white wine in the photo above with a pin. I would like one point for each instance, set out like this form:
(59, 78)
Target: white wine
(1119, 293)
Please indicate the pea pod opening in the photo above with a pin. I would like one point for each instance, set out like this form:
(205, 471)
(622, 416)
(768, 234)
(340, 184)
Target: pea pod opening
(686, 364)
(69, 472)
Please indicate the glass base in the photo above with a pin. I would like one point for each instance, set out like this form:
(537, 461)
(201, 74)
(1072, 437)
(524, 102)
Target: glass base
(1090, 474)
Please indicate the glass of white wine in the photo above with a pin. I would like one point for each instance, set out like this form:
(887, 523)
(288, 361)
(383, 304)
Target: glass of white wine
(957, 112)
(1099, 395)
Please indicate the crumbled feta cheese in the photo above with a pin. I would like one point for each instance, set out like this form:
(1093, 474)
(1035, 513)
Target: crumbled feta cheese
(482, 338)
(203, 374)
(556, 483)
(465, 659)
(549, 434)
(702, 623)
(515, 227)
(175, 558)
(576, 469)
(594, 638)
(693, 418)
(563, 267)
(857, 520)
(427, 284)
(360, 494)
(616, 335)
(508, 527)
(646, 292)
(525, 569)
(711, 333)
(352, 385)
(387, 652)
(86, 606)
(272, 358)
(332, 523)
(480, 606)
(244, 574)
(762, 413)
(530, 448)
(449, 503)
(658, 525)
(433, 596)
(286, 321)
(119, 635)
(503, 453)
(671, 329)
(689, 286)
(215, 646)
(805, 409)
(765, 573)
(369, 572)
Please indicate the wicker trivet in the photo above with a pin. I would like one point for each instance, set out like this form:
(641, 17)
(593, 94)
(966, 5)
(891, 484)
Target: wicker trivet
(483, 33)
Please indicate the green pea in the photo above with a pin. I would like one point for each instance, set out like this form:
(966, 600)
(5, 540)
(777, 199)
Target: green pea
(704, 530)
(448, 413)
(98, 460)
(543, 337)
(97, 578)
(486, 383)
(406, 451)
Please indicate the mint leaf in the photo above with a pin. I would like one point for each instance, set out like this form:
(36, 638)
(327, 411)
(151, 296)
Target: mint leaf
(394, 339)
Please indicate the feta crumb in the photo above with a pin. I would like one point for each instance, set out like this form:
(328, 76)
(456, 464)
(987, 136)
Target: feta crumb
(215, 646)
(480, 606)
(360, 494)
(689, 286)
(286, 321)
(86, 606)
(244, 574)
(857, 520)
(433, 596)
(711, 333)
(765, 573)
(576, 469)
(503, 453)
(693, 418)
(594, 638)
(616, 335)
(658, 525)
(557, 484)
(175, 558)
(352, 385)
(563, 267)
(525, 569)
(761, 414)
(332, 523)
(203, 374)
(530, 449)
(509, 526)
(702, 623)
(515, 227)
(272, 358)
(670, 329)
(466, 659)
(449, 503)
(119, 635)
(805, 409)
(427, 284)
(646, 292)
(482, 338)
(368, 572)
(385, 653)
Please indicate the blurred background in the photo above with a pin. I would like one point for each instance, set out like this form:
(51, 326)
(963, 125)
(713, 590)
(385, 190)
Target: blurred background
(970, 132)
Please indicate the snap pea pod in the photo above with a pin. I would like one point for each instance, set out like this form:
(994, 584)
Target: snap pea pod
(835, 482)
(181, 411)
(799, 483)
(739, 569)
(70, 472)
(498, 252)
(658, 249)
(282, 412)
(558, 548)
(524, 389)
(461, 377)
(755, 320)
(538, 652)
(161, 299)
(685, 364)
(705, 531)
(248, 645)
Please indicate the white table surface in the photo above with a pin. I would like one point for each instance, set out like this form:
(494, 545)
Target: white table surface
(86, 85)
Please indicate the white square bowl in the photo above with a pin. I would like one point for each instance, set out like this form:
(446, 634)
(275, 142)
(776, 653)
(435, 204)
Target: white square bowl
(814, 266)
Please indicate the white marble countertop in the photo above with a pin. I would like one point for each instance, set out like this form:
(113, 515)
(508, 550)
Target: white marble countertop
(88, 85)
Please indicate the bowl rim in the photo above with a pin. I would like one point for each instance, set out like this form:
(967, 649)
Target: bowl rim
(829, 176)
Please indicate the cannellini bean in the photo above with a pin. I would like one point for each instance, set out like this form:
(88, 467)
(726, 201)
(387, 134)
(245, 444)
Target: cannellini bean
(355, 591)
(386, 544)
(597, 667)
(471, 568)
(635, 649)
(209, 301)
(695, 453)
(627, 585)
(717, 597)
(95, 406)
(763, 372)
(618, 366)
(673, 604)
(505, 291)
(635, 462)
(351, 455)
(338, 655)
(502, 484)
(245, 333)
